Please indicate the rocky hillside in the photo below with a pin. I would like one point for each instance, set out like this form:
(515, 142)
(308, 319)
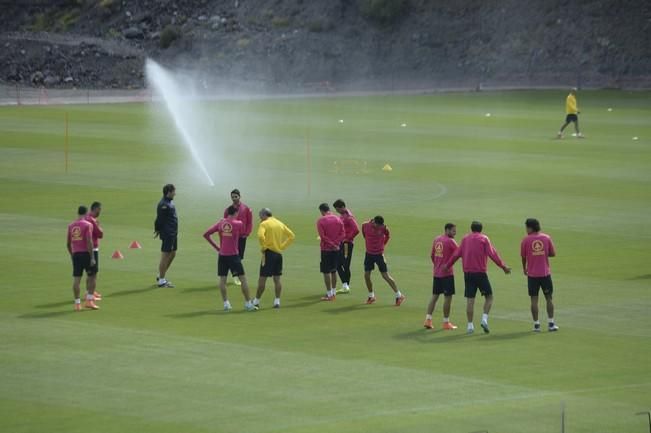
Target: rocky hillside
(326, 44)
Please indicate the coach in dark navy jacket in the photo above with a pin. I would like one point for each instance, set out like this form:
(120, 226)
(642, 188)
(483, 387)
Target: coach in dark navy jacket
(166, 227)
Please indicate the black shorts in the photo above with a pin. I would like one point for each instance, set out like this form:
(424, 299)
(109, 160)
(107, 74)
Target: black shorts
(168, 244)
(477, 280)
(537, 283)
(443, 285)
(241, 245)
(329, 261)
(272, 264)
(370, 260)
(229, 263)
(81, 263)
(571, 118)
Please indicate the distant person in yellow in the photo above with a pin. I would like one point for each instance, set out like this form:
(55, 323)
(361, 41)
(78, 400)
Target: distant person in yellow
(572, 111)
(274, 237)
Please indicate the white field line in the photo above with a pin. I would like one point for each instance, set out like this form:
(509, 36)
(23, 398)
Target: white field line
(526, 393)
(138, 96)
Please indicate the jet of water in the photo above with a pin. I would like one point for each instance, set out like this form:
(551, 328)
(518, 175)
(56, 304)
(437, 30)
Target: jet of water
(177, 107)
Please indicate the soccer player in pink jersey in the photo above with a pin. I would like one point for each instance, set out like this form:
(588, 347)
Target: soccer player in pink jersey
(535, 249)
(443, 248)
(377, 235)
(230, 229)
(80, 246)
(346, 248)
(245, 215)
(98, 233)
(331, 235)
(475, 250)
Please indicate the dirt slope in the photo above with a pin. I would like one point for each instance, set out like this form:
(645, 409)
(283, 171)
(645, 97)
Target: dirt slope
(318, 45)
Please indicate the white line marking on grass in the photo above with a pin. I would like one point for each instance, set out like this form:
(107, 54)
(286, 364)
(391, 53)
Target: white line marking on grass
(443, 190)
(581, 317)
(199, 351)
(466, 403)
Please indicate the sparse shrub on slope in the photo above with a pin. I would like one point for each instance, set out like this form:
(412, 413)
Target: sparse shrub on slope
(383, 11)
(169, 35)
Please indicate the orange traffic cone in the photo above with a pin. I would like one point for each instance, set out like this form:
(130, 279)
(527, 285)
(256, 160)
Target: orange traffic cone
(135, 245)
(117, 255)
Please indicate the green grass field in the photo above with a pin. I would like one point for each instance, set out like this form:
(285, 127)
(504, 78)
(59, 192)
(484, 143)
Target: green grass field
(168, 360)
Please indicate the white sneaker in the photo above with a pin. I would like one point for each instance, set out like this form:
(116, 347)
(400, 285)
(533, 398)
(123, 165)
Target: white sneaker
(228, 307)
(484, 326)
(470, 329)
(536, 327)
(162, 282)
(345, 289)
(250, 307)
(552, 327)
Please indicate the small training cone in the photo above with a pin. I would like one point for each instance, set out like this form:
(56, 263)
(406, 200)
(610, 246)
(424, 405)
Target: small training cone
(135, 245)
(387, 167)
(117, 255)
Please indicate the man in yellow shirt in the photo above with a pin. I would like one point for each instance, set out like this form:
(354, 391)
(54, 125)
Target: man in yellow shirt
(274, 237)
(572, 111)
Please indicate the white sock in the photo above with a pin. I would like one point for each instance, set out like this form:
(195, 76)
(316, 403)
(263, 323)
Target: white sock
(428, 317)
(484, 318)
(536, 322)
(470, 325)
(398, 294)
(446, 319)
(550, 320)
(77, 301)
(331, 292)
(227, 304)
(276, 301)
(371, 294)
(345, 286)
(256, 301)
(89, 297)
